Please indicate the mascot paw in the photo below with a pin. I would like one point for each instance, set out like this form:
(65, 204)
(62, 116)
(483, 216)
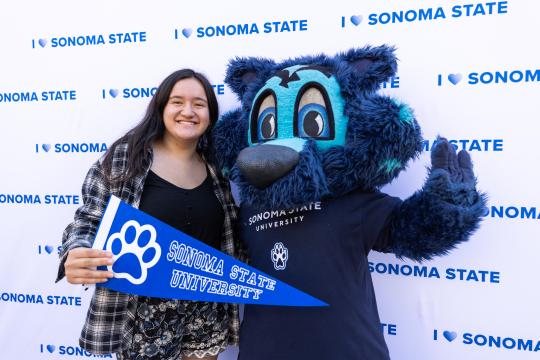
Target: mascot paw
(459, 167)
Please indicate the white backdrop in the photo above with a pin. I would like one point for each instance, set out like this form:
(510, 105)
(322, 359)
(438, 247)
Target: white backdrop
(74, 76)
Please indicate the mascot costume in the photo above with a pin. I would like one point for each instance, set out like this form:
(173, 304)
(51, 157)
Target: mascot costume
(309, 148)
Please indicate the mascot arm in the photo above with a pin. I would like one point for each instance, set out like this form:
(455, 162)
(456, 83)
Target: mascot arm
(443, 214)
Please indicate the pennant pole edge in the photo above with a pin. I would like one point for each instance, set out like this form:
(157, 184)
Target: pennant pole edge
(106, 222)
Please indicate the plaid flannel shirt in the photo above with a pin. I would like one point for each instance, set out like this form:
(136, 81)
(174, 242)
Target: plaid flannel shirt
(109, 327)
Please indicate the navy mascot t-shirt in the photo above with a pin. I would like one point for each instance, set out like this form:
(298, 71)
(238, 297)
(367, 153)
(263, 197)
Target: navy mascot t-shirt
(320, 248)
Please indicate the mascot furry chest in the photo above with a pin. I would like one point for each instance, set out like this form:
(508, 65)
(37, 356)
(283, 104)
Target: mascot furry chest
(309, 148)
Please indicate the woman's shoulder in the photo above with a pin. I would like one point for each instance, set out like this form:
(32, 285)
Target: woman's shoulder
(115, 161)
(117, 151)
(120, 150)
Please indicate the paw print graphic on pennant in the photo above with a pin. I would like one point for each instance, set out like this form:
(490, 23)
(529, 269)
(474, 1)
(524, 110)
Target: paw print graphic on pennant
(135, 250)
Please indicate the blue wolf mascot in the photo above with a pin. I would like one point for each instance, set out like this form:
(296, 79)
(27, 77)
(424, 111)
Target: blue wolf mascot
(309, 148)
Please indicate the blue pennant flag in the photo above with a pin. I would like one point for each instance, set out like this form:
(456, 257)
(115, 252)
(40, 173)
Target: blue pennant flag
(154, 259)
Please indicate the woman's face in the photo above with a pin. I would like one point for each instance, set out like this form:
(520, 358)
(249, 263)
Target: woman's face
(186, 115)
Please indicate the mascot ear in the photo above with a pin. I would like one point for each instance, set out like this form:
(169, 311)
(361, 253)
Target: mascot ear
(370, 66)
(242, 72)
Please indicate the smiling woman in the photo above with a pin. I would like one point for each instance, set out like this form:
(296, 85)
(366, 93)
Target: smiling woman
(163, 167)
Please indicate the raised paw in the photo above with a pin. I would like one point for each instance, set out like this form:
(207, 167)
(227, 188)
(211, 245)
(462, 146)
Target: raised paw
(134, 250)
(459, 167)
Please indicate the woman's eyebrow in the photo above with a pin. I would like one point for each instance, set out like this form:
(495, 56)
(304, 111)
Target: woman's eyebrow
(181, 97)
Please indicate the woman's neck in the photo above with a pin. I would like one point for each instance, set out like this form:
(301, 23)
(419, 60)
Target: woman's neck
(178, 164)
(183, 151)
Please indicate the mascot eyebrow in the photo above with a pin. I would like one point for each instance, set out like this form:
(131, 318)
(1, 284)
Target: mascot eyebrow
(287, 77)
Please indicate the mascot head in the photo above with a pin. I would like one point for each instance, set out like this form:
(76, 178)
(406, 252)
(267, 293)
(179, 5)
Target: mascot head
(314, 127)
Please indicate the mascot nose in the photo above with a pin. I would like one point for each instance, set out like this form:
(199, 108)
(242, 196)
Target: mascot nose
(263, 164)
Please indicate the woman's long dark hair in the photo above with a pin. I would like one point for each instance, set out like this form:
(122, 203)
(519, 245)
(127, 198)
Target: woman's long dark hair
(151, 128)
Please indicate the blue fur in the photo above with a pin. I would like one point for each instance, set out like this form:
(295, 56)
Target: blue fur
(245, 76)
(228, 138)
(375, 135)
(383, 68)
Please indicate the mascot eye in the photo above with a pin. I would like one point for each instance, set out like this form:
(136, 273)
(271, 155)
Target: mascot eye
(267, 124)
(264, 118)
(312, 119)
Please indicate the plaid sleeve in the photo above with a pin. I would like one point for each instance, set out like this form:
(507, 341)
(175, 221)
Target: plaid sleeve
(240, 252)
(230, 242)
(105, 327)
(81, 232)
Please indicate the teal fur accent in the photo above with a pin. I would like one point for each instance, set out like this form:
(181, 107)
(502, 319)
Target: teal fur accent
(225, 171)
(405, 113)
(390, 165)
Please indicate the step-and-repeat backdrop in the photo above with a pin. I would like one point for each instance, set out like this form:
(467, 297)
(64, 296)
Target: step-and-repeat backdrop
(74, 76)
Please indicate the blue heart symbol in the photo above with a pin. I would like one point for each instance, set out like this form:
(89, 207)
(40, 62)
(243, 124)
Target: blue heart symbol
(42, 42)
(46, 147)
(113, 92)
(51, 348)
(356, 19)
(450, 335)
(187, 32)
(454, 78)
(49, 249)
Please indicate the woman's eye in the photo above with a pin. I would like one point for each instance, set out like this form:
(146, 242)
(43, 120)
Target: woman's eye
(266, 124)
(313, 122)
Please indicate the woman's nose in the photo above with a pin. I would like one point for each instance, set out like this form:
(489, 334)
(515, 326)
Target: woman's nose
(187, 110)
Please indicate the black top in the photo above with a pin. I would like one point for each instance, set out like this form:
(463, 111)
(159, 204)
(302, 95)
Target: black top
(321, 249)
(196, 212)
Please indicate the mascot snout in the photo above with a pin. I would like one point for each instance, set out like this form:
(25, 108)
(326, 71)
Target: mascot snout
(263, 164)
